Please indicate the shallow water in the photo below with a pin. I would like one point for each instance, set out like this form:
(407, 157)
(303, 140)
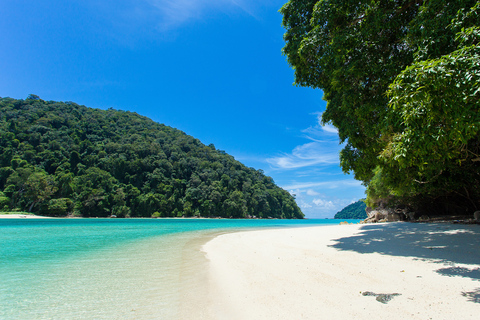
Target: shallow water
(106, 268)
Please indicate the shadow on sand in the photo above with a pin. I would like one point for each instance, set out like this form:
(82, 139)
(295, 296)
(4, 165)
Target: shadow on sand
(473, 296)
(444, 243)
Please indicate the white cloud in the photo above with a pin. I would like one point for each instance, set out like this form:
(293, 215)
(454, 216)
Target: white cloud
(325, 184)
(246, 6)
(323, 149)
(320, 130)
(176, 12)
(304, 205)
(302, 202)
(320, 187)
(330, 129)
(132, 19)
(309, 154)
(324, 204)
(321, 203)
(313, 193)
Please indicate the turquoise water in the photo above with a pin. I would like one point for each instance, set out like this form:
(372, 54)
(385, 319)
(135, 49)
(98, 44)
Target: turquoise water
(106, 268)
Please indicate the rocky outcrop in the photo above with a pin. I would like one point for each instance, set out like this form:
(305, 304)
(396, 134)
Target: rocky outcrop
(376, 215)
(403, 213)
(476, 216)
(383, 214)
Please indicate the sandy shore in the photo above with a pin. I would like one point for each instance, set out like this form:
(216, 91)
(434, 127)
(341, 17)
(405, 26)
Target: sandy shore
(430, 271)
(22, 216)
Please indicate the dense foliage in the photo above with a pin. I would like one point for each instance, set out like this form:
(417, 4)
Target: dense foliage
(355, 210)
(65, 159)
(402, 84)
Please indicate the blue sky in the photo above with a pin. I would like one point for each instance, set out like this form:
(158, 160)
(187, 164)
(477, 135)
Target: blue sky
(211, 68)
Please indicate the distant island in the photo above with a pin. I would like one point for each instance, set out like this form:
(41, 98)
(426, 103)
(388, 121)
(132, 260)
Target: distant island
(64, 159)
(355, 210)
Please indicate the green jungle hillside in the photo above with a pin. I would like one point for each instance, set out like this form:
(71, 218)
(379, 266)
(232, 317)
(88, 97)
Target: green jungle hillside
(61, 158)
(355, 210)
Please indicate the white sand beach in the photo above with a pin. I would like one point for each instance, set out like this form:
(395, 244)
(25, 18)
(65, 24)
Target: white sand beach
(22, 216)
(431, 271)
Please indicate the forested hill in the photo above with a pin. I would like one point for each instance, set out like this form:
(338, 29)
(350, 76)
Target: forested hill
(61, 158)
(355, 210)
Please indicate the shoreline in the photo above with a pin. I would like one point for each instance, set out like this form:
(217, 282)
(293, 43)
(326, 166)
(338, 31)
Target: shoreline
(31, 215)
(393, 270)
(22, 216)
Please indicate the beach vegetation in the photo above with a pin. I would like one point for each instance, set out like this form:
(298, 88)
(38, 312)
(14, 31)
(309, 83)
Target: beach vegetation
(402, 83)
(64, 159)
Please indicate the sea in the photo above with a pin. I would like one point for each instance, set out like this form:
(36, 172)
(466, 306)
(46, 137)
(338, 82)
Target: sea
(109, 268)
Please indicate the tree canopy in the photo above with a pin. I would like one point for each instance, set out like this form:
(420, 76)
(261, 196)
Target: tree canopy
(61, 158)
(401, 80)
(354, 210)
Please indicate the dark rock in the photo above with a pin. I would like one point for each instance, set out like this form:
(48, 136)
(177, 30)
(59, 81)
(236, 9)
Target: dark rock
(381, 297)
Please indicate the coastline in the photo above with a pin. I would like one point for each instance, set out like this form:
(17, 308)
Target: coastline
(22, 216)
(424, 271)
